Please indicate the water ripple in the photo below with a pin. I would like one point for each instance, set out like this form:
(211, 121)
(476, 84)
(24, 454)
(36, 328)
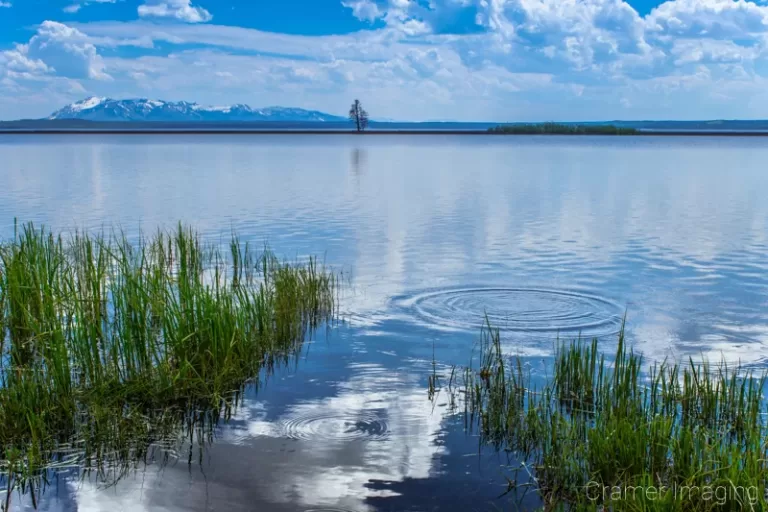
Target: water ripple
(318, 425)
(522, 310)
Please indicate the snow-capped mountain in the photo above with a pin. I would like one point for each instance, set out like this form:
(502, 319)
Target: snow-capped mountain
(107, 109)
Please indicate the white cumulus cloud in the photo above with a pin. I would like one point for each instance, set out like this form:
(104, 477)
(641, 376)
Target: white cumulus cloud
(365, 10)
(403, 15)
(717, 19)
(16, 64)
(59, 49)
(179, 9)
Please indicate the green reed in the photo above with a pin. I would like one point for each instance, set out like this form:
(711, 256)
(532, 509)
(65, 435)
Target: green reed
(605, 435)
(99, 336)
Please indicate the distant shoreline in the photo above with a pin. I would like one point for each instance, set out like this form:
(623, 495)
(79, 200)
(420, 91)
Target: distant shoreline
(225, 131)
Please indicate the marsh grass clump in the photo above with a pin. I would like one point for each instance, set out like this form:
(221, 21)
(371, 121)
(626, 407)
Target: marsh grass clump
(603, 434)
(562, 129)
(102, 339)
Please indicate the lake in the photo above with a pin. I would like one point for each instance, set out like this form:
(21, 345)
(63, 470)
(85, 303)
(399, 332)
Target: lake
(548, 236)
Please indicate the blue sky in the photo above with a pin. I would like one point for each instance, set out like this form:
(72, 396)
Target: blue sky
(489, 60)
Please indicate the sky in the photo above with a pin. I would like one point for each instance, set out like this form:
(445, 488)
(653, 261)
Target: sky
(406, 60)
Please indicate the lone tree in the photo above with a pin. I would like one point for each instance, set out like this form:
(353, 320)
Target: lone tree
(359, 116)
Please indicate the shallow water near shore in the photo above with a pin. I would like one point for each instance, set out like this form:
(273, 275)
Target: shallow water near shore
(547, 236)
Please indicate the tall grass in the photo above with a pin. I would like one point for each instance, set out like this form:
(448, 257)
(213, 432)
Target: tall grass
(602, 434)
(99, 335)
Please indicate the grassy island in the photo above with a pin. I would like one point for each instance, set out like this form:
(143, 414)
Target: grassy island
(561, 129)
(109, 347)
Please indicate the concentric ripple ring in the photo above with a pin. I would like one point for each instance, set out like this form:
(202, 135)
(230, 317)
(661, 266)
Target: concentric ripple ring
(521, 310)
(334, 426)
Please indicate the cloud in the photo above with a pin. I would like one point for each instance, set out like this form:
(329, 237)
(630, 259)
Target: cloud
(365, 45)
(5, 4)
(179, 9)
(401, 15)
(57, 49)
(365, 10)
(687, 51)
(75, 7)
(576, 34)
(715, 19)
(16, 63)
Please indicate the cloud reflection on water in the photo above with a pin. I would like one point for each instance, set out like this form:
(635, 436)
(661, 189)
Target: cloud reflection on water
(288, 462)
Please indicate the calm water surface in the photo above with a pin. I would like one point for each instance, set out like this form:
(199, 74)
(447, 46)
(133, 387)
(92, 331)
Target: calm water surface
(547, 235)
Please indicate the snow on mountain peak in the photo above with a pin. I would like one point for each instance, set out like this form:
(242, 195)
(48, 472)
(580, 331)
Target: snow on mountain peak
(88, 103)
(215, 109)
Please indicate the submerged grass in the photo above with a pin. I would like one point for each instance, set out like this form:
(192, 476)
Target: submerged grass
(603, 434)
(107, 345)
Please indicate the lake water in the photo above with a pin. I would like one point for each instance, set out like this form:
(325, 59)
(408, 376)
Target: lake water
(548, 236)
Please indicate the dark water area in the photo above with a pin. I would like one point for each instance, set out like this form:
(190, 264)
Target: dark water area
(548, 237)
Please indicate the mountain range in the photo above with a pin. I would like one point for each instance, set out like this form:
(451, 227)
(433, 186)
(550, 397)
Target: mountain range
(108, 109)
